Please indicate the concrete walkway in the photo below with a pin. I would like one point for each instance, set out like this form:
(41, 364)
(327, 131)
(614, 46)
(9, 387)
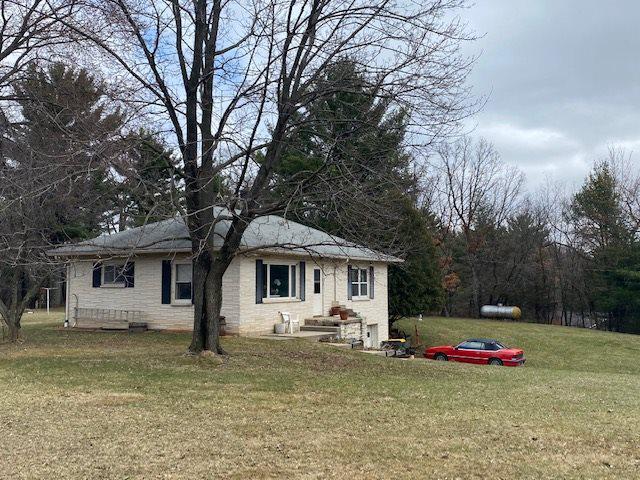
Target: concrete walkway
(306, 334)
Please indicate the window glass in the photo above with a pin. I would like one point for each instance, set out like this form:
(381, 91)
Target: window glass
(109, 274)
(184, 275)
(279, 281)
(113, 274)
(359, 282)
(471, 345)
(183, 291)
(354, 275)
(316, 280)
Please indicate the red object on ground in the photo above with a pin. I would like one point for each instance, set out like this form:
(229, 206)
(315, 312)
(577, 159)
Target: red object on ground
(482, 351)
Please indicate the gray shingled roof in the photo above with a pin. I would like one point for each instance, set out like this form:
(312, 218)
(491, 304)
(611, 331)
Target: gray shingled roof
(271, 234)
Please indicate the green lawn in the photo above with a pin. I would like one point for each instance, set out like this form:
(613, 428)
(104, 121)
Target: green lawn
(111, 405)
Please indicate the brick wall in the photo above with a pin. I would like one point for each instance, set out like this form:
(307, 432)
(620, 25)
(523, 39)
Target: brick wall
(244, 315)
(146, 295)
(261, 318)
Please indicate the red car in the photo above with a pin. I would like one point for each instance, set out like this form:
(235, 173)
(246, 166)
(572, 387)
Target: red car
(483, 351)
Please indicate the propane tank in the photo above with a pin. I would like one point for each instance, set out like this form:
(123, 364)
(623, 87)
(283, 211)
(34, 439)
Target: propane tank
(500, 311)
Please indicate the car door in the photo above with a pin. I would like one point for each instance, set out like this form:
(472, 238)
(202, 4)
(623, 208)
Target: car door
(469, 352)
(490, 351)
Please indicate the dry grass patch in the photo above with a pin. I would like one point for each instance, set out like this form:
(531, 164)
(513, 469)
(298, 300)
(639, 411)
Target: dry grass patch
(105, 405)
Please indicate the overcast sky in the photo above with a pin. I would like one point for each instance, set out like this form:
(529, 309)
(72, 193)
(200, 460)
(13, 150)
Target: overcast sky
(562, 79)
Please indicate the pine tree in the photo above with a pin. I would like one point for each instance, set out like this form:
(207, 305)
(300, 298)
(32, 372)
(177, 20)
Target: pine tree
(147, 188)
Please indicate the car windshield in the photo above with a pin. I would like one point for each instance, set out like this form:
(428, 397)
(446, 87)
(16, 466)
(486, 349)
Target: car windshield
(500, 346)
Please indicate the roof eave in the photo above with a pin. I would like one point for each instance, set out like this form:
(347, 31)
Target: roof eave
(116, 253)
(125, 252)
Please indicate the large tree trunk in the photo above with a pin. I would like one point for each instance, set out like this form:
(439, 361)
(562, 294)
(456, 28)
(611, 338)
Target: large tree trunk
(213, 294)
(201, 267)
(12, 321)
(209, 267)
(207, 300)
(14, 330)
(11, 312)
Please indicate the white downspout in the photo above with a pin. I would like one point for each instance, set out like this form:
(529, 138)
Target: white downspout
(67, 298)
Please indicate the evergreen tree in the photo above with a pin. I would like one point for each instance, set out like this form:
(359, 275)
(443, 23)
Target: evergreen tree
(415, 286)
(147, 189)
(359, 134)
(611, 250)
(350, 133)
(68, 130)
(53, 168)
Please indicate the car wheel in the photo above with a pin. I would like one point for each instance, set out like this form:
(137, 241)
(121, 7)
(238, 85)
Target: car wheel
(495, 361)
(441, 357)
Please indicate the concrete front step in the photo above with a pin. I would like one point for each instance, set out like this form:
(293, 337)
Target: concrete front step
(312, 335)
(319, 328)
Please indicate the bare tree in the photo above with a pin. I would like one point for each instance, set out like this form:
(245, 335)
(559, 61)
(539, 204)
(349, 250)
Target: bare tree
(474, 187)
(27, 27)
(626, 171)
(52, 170)
(232, 80)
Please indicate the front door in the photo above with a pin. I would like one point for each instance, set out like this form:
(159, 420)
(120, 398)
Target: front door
(318, 308)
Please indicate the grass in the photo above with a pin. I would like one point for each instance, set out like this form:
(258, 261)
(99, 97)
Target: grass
(111, 405)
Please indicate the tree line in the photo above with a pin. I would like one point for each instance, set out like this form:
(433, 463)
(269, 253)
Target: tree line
(341, 115)
(565, 257)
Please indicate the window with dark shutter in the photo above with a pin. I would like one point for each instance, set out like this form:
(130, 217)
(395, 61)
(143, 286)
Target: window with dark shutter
(166, 282)
(183, 281)
(359, 282)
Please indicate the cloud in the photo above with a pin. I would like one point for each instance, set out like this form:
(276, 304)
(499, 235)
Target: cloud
(541, 153)
(516, 138)
(561, 79)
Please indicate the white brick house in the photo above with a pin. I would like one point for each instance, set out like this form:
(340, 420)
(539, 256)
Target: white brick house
(283, 267)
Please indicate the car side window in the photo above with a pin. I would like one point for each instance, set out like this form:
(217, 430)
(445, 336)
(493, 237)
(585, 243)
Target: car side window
(491, 346)
(471, 346)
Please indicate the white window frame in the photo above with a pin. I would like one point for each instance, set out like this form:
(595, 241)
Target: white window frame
(269, 298)
(359, 296)
(119, 284)
(174, 286)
